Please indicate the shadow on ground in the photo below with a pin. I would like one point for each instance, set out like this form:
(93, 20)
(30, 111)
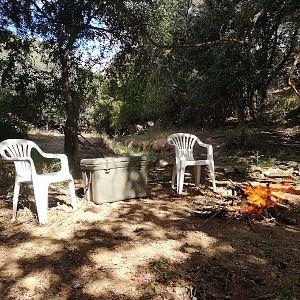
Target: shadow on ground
(150, 248)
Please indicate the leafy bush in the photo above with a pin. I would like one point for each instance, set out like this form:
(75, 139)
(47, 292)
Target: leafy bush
(7, 174)
(281, 107)
(100, 116)
(12, 127)
(237, 140)
(114, 117)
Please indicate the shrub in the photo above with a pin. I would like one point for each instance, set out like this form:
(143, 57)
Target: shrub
(12, 127)
(7, 174)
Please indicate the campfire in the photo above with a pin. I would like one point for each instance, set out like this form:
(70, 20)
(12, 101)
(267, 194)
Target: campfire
(250, 201)
(255, 200)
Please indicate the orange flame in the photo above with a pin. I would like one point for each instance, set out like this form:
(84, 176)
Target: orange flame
(258, 199)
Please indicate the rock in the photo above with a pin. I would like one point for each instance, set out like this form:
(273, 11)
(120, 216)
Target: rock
(255, 169)
(219, 169)
(163, 163)
(229, 169)
(278, 172)
(241, 169)
(30, 282)
(137, 128)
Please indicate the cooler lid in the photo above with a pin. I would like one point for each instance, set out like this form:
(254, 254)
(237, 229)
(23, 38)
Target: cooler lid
(112, 162)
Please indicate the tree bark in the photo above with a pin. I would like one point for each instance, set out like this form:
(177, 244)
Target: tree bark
(291, 71)
(262, 104)
(71, 125)
(240, 113)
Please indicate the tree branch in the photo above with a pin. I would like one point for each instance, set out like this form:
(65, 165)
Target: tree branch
(286, 56)
(97, 28)
(196, 45)
(290, 73)
(41, 11)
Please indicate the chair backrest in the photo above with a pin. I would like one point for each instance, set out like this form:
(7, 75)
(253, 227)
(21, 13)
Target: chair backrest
(184, 144)
(14, 149)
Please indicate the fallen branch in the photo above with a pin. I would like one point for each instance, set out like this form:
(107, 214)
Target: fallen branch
(264, 297)
(232, 217)
(211, 217)
(291, 71)
(250, 224)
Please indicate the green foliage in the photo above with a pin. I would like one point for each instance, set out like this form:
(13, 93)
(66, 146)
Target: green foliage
(151, 78)
(44, 165)
(101, 116)
(123, 150)
(280, 107)
(125, 87)
(165, 271)
(7, 177)
(29, 86)
(287, 292)
(12, 127)
(205, 86)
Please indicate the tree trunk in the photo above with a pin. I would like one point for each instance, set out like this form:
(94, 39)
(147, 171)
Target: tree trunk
(262, 105)
(71, 125)
(240, 113)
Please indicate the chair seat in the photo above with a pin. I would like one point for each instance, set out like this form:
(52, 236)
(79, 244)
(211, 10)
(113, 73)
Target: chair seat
(196, 162)
(55, 176)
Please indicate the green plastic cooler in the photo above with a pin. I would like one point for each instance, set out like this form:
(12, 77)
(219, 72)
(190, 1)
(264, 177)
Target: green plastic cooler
(114, 178)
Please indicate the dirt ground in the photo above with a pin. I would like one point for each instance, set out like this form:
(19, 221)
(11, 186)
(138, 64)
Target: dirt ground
(151, 248)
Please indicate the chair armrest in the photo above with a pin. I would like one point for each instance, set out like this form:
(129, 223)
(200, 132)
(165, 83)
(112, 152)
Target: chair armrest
(203, 144)
(63, 160)
(62, 157)
(17, 158)
(210, 152)
(209, 149)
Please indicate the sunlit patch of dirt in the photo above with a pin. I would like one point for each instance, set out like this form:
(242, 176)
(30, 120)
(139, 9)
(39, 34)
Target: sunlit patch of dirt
(150, 248)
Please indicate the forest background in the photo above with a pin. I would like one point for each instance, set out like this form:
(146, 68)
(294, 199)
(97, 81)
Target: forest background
(174, 63)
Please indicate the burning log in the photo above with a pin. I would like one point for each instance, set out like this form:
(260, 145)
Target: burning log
(260, 201)
(250, 201)
(255, 200)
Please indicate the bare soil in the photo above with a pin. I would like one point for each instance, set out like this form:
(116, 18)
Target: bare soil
(155, 247)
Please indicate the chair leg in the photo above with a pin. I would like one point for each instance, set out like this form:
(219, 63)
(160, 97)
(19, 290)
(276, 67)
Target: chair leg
(41, 200)
(173, 176)
(180, 178)
(15, 200)
(212, 175)
(197, 170)
(72, 194)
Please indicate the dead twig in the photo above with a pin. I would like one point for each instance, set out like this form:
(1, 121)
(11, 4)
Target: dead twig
(250, 224)
(292, 227)
(232, 217)
(264, 297)
(210, 218)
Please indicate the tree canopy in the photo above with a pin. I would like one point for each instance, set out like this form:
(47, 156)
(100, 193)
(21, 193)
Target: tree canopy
(179, 62)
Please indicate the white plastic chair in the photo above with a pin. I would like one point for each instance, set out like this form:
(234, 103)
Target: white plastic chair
(184, 144)
(19, 151)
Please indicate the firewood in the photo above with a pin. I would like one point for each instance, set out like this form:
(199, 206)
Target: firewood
(232, 217)
(210, 218)
(265, 297)
(250, 224)
(201, 213)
